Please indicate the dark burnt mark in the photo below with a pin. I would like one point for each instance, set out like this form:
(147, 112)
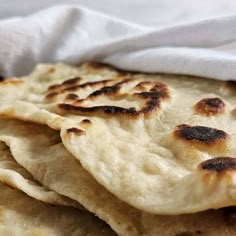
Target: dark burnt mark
(200, 134)
(151, 106)
(214, 102)
(53, 87)
(86, 121)
(229, 214)
(157, 92)
(105, 91)
(51, 95)
(64, 84)
(91, 84)
(68, 86)
(75, 131)
(72, 96)
(152, 95)
(231, 84)
(88, 84)
(109, 90)
(2, 78)
(210, 106)
(219, 164)
(109, 110)
(141, 85)
(72, 81)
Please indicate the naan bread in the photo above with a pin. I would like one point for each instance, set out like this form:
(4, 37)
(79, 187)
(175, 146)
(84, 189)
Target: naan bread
(15, 176)
(168, 142)
(22, 215)
(41, 152)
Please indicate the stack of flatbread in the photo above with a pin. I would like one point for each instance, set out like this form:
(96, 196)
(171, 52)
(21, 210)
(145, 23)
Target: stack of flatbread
(91, 150)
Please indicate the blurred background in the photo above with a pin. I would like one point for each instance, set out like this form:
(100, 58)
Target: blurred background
(157, 13)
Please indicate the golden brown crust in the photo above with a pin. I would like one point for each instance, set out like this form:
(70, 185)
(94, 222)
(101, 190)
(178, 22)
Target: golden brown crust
(9, 184)
(52, 70)
(14, 82)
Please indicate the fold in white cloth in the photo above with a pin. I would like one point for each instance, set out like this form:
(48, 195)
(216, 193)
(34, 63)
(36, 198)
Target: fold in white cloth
(73, 34)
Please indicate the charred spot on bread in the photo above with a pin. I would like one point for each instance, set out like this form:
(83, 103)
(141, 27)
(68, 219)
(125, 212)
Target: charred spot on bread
(200, 134)
(51, 95)
(151, 96)
(65, 84)
(75, 131)
(2, 78)
(86, 121)
(97, 110)
(230, 85)
(210, 106)
(72, 96)
(219, 164)
(72, 81)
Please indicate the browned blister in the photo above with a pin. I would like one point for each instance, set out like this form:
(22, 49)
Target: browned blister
(203, 138)
(218, 169)
(219, 164)
(210, 106)
(76, 131)
(200, 134)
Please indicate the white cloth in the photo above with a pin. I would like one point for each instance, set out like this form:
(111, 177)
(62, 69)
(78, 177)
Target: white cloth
(73, 34)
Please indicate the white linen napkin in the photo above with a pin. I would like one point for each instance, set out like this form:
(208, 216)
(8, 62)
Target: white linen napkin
(74, 34)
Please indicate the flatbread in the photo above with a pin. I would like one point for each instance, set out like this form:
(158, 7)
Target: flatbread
(22, 215)
(15, 176)
(39, 149)
(160, 134)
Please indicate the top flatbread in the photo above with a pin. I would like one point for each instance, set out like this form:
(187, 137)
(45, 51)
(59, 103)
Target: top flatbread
(162, 143)
(39, 149)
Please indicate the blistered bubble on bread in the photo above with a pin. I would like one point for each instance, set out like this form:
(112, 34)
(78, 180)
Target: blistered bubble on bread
(219, 164)
(210, 106)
